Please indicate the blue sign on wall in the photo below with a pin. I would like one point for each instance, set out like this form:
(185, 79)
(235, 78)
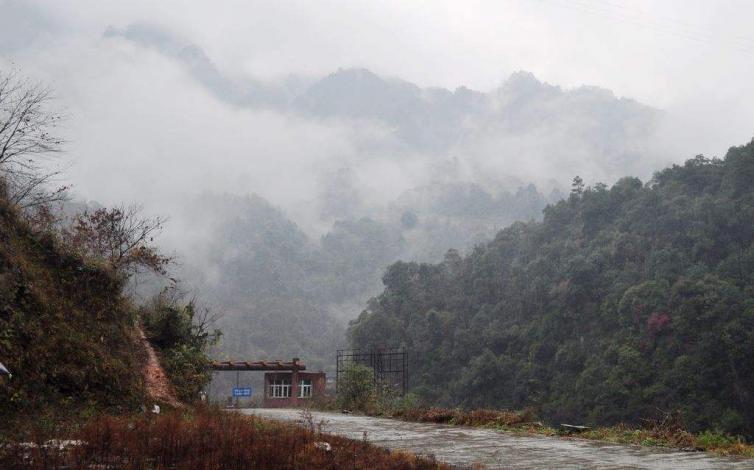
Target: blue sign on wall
(242, 392)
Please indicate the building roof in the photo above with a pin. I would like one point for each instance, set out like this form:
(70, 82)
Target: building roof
(294, 364)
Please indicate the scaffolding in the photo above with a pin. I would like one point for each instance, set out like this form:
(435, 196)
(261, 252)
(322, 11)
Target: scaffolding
(389, 367)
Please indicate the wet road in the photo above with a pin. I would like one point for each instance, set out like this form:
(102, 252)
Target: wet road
(464, 446)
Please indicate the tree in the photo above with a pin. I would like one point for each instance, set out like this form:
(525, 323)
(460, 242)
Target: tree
(120, 236)
(577, 187)
(27, 140)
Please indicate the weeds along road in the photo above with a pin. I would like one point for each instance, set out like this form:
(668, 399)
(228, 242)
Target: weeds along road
(465, 446)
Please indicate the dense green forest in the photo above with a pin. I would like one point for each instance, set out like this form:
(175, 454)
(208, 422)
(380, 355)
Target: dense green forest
(623, 303)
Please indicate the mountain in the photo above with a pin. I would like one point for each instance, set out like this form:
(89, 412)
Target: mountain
(522, 118)
(624, 302)
(524, 129)
(246, 92)
(428, 119)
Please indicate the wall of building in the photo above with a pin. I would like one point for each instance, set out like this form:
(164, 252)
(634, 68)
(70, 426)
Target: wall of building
(318, 379)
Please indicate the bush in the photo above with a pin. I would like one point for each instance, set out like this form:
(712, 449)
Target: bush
(709, 440)
(356, 388)
(399, 406)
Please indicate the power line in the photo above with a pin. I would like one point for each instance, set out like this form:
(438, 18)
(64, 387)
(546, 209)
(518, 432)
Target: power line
(746, 42)
(640, 18)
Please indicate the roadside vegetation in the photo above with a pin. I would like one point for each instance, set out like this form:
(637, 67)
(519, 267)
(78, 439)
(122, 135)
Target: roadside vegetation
(204, 438)
(664, 433)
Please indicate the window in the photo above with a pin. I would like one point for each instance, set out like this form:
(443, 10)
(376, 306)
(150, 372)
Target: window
(305, 388)
(280, 388)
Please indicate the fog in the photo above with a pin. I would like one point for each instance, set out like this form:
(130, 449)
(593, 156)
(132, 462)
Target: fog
(199, 92)
(432, 120)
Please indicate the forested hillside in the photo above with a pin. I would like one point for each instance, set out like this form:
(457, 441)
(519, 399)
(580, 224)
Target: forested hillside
(67, 333)
(623, 303)
(70, 333)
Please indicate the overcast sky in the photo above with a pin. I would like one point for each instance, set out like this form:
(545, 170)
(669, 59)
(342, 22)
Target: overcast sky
(660, 52)
(693, 58)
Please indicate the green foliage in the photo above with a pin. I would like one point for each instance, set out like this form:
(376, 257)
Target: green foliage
(401, 405)
(714, 439)
(356, 388)
(183, 340)
(187, 369)
(620, 303)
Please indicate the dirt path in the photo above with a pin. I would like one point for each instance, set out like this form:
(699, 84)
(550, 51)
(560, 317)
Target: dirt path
(158, 385)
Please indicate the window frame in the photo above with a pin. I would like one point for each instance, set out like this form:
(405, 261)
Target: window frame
(305, 388)
(280, 388)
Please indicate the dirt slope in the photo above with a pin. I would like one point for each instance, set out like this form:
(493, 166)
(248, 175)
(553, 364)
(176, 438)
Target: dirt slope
(157, 384)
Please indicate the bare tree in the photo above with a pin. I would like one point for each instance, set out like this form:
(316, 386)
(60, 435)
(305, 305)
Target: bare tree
(27, 141)
(120, 236)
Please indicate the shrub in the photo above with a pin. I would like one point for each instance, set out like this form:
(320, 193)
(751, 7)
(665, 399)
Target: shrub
(401, 405)
(356, 388)
(714, 439)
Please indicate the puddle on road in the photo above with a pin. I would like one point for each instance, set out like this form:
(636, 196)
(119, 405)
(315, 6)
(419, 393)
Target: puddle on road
(464, 446)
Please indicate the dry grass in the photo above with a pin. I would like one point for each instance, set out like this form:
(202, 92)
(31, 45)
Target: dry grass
(482, 417)
(205, 439)
(657, 434)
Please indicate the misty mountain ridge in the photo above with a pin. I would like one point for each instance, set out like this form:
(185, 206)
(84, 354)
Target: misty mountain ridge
(472, 162)
(524, 129)
(434, 119)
